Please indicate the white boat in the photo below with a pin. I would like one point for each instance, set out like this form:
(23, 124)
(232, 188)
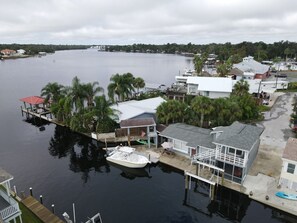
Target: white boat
(126, 156)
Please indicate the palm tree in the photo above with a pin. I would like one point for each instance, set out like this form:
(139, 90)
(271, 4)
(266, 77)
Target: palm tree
(172, 111)
(121, 85)
(78, 94)
(52, 92)
(241, 88)
(138, 83)
(202, 106)
(198, 64)
(90, 90)
(105, 116)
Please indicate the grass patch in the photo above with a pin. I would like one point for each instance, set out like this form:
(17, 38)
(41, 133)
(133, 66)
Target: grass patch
(27, 216)
(264, 108)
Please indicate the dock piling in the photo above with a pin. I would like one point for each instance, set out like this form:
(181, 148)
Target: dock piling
(41, 201)
(31, 191)
(53, 208)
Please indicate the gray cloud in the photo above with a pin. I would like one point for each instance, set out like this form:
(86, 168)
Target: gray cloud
(146, 21)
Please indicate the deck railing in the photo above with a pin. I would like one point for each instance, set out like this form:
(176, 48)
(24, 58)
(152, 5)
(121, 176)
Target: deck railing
(231, 159)
(204, 155)
(10, 210)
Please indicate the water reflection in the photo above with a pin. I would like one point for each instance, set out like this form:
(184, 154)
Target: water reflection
(131, 173)
(37, 122)
(85, 154)
(227, 204)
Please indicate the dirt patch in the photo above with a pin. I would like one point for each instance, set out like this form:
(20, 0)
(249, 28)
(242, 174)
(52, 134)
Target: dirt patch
(267, 163)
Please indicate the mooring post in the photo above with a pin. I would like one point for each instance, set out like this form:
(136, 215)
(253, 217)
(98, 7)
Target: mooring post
(186, 181)
(53, 208)
(41, 201)
(31, 191)
(15, 190)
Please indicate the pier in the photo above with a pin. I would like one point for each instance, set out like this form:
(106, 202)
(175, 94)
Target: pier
(40, 210)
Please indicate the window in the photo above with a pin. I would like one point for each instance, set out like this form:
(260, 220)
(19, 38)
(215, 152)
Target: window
(239, 152)
(231, 150)
(291, 168)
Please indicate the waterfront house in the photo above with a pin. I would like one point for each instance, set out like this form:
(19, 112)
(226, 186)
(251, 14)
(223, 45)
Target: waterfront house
(212, 87)
(8, 52)
(138, 109)
(9, 207)
(21, 52)
(232, 148)
(236, 148)
(288, 177)
(184, 139)
(248, 64)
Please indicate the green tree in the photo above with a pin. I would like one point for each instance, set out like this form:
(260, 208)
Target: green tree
(224, 68)
(287, 52)
(121, 85)
(52, 92)
(172, 111)
(203, 106)
(105, 116)
(241, 88)
(198, 64)
(77, 94)
(90, 91)
(138, 83)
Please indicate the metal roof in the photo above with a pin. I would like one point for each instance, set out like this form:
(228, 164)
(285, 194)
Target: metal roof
(214, 84)
(33, 100)
(248, 64)
(133, 108)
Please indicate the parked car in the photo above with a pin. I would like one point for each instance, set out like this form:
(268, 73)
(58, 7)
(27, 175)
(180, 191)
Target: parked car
(281, 75)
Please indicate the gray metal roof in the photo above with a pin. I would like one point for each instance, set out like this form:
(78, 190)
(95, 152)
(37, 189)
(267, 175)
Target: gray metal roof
(239, 135)
(193, 135)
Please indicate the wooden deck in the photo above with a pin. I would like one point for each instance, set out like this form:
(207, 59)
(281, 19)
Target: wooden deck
(40, 211)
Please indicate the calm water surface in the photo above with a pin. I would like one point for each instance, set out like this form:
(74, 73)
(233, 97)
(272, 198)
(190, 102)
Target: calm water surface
(67, 168)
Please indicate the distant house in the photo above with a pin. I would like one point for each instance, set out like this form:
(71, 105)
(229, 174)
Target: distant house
(232, 148)
(9, 207)
(138, 109)
(212, 87)
(8, 52)
(21, 52)
(248, 64)
(288, 177)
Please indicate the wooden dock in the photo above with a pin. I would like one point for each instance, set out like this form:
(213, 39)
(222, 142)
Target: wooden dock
(40, 210)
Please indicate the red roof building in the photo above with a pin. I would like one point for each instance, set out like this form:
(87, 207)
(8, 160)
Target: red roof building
(8, 52)
(33, 100)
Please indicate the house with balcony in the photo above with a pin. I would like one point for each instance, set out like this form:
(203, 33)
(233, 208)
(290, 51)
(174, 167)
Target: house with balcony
(236, 149)
(9, 207)
(288, 177)
(232, 148)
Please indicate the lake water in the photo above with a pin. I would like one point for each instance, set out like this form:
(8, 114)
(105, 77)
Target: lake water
(68, 168)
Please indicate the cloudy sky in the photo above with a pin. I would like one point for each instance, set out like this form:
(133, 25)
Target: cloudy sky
(147, 21)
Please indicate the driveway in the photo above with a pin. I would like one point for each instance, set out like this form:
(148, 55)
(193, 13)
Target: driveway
(274, 137)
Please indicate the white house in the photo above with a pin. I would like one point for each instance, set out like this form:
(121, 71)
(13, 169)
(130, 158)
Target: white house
(21, 52)
(212, 87)
(137, 109)
(288, 177)
(248, 64)
(9, 207)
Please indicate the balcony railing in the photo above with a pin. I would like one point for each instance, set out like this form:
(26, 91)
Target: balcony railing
(231, 159)
(11, 209)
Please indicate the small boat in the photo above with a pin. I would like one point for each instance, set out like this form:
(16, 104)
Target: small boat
(126, 156)
(286, 196)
